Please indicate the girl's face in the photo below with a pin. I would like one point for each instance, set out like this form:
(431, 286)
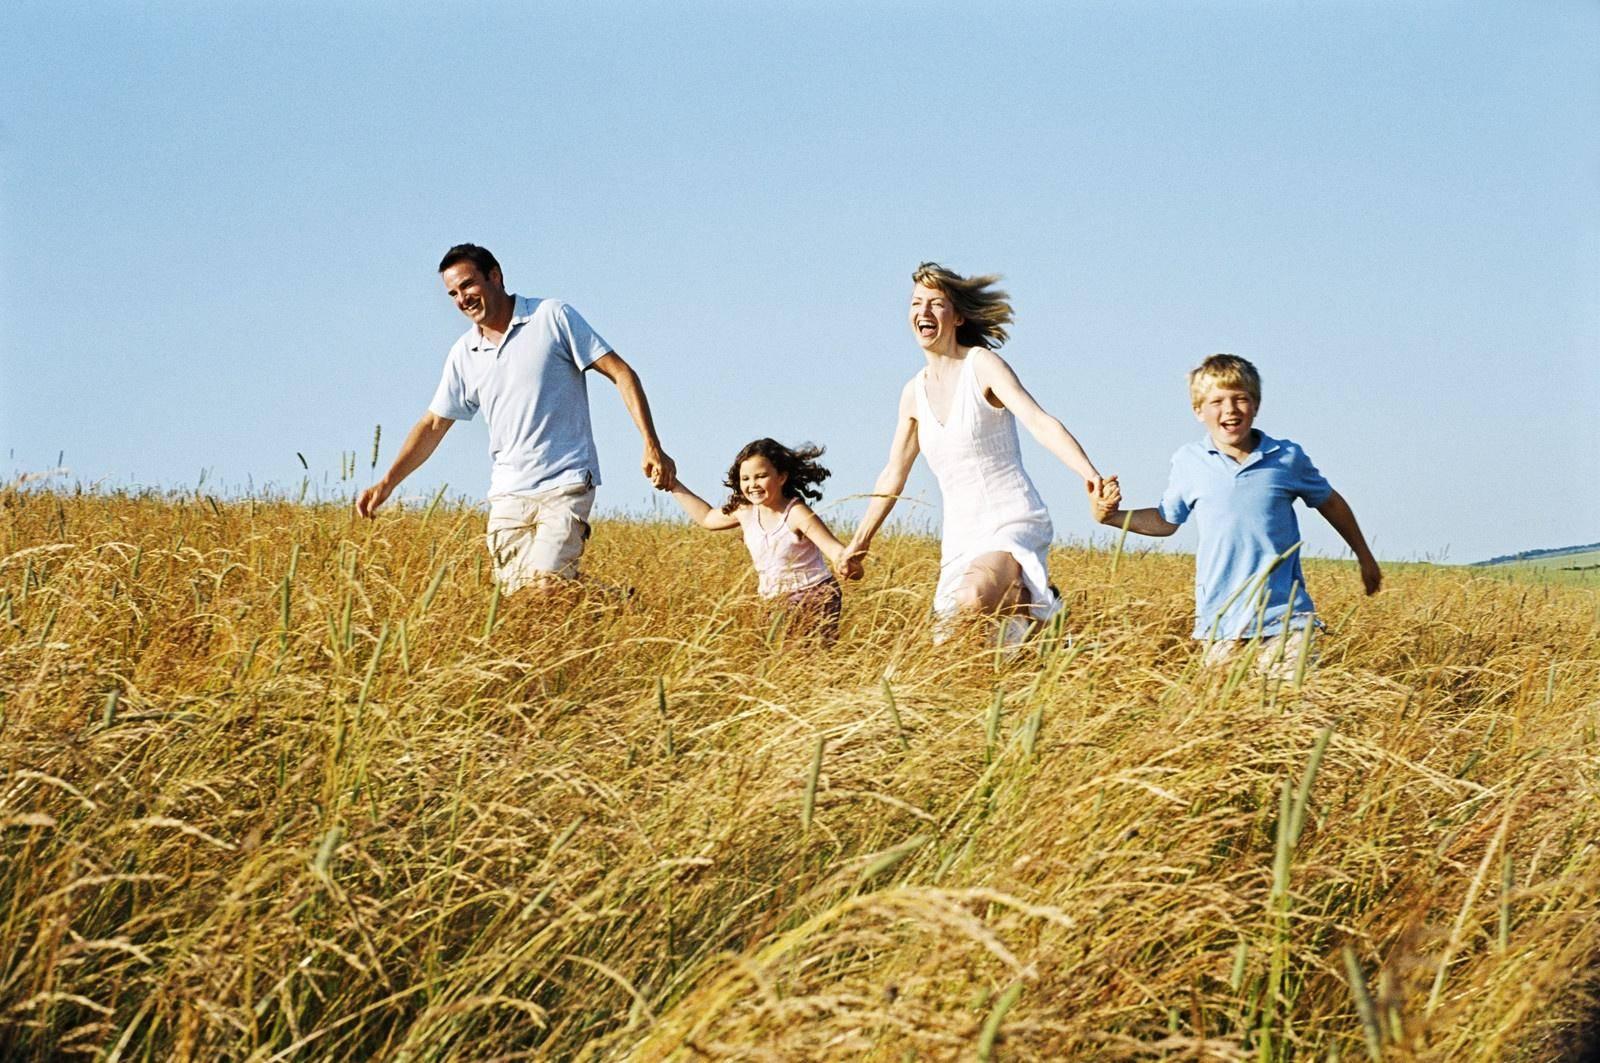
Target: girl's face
(933, 319)
(760, 482)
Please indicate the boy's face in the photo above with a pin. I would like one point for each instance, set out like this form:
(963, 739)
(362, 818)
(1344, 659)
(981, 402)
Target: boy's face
(1229, 415)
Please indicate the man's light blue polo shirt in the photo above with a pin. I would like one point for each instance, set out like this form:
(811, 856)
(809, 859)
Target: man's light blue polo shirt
(532, 392)
(1246, 515)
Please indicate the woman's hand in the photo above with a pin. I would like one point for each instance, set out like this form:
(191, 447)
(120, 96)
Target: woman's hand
(850, 562)
(1104, 498)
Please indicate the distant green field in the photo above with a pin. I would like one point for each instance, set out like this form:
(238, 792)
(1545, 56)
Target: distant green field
(1582, 570)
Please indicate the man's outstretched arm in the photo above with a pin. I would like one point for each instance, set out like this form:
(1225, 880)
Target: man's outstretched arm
(658, 468)
(419, 444)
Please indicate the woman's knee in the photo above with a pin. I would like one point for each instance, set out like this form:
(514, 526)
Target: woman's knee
(970, 597)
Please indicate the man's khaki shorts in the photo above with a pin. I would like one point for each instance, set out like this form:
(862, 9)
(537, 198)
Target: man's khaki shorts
(533, 538)
(1276, 656)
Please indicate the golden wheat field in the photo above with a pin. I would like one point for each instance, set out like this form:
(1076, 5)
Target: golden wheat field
(281, 784)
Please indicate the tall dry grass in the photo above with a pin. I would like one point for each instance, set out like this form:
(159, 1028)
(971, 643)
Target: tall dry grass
(279, 784)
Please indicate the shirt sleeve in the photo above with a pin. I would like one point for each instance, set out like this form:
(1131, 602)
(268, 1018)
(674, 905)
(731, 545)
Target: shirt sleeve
(1307, 482)
(453, 398)
(1175, 501)
(584, 344)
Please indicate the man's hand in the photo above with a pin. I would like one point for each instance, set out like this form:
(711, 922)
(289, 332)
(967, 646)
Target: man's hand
(1103, 503)
(368, 501)
(419, 443)
(660, 470)
(1371, 575)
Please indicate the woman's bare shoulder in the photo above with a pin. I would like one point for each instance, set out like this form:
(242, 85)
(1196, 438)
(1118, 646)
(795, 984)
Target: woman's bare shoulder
(908, 396)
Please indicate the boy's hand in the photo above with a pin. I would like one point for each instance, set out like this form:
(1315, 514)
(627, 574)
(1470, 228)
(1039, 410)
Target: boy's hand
(1104, 502)
(1371, 575)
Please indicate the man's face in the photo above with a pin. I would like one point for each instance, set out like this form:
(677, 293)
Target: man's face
(477, 296)
(1228, 414)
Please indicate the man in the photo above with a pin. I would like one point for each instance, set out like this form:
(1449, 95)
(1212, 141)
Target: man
(522, 362)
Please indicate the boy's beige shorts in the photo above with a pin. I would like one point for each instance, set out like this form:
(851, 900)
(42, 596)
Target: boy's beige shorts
(535, 537)
(1277, 656)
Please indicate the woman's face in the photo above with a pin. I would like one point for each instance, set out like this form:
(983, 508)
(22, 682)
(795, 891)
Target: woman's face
(933, 319)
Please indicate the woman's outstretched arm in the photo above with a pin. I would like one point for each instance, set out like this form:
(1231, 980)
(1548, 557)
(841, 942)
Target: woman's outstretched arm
(997, 378)
(903, 450)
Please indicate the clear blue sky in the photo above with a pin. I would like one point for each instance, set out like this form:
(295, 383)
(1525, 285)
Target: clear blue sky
(219, 225)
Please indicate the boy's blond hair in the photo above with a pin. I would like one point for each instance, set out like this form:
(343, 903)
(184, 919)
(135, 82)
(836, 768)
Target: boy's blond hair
(1223, 371)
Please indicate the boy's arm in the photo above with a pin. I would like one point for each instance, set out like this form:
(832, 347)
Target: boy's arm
(1147, 521)
(805, 521)
(700, 511)
(1339, 514)
(1105, 504)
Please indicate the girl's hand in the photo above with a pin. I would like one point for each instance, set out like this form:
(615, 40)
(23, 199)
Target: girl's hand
(660, 470)
(849, 563)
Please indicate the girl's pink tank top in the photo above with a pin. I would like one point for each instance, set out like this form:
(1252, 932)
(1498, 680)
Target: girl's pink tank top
(785, 560)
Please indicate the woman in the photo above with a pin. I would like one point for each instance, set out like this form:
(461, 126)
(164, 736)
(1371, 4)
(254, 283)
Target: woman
(961, 410)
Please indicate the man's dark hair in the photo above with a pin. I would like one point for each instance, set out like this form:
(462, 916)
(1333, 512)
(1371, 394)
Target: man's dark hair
(478, 256)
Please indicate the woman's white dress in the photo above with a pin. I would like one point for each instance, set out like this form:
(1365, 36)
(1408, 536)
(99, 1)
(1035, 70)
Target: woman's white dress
(990, 505)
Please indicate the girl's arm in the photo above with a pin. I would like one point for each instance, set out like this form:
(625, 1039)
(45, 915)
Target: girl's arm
(802, 519)
(700, 511)
(903, 450)
(995, 376)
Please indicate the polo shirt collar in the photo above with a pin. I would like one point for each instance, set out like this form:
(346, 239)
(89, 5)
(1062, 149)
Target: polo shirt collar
(521, 311)
(1265, 446)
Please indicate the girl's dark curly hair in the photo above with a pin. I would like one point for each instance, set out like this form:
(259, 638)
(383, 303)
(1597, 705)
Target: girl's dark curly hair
(799, 467)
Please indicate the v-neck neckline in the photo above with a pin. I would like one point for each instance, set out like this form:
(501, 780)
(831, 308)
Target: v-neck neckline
(783, 519)
(955, 397)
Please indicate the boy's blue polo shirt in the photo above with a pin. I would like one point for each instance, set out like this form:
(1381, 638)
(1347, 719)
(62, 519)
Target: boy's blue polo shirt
(1246, 515)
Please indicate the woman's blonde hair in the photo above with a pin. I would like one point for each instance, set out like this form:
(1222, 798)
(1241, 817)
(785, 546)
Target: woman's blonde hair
(1224, 371)
(985, 309)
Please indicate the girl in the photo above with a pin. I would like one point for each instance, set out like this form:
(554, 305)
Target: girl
(961, 410)
(787, 541)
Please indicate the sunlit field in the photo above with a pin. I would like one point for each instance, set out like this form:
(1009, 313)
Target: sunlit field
(1581, 570)
(282, 784)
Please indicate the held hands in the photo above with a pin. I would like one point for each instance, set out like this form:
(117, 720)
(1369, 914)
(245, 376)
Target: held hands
(1104, 498)
(660, 470)
(849, 563)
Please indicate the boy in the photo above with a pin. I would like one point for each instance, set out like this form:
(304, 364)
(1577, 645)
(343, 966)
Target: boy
(1241, 483)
